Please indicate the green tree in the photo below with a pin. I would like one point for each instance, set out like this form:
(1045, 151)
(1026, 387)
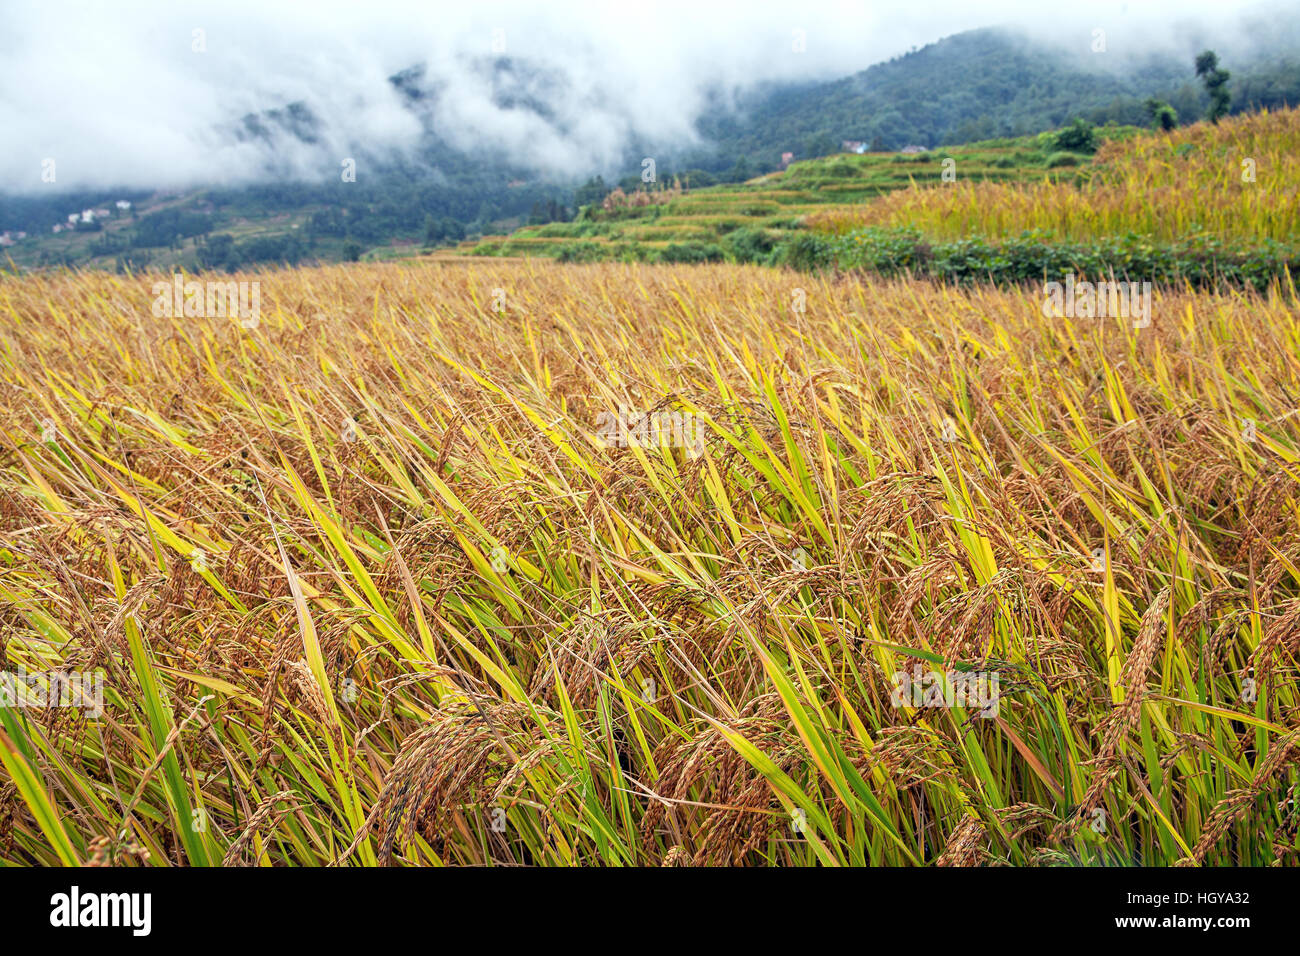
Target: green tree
(432, 230)
(820, 144)
(593, 191)
(1162, 114)
(741, 171)
(1216, 84)
(1079, 137)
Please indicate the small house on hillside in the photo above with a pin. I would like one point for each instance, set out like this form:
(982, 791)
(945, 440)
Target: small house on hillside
(854, 146)
(787, 159)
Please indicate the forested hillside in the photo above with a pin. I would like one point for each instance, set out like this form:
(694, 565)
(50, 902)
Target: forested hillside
(973, 86)
(984, 84)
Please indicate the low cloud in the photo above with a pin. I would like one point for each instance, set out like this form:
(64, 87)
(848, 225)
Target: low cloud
(129, 94)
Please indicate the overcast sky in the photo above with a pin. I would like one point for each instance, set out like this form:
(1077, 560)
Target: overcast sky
(117, 94)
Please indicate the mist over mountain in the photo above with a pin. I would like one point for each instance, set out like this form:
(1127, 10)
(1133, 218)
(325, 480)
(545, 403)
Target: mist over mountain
(975, 85)
(405, 134)
(150, 96)
(1002, 82)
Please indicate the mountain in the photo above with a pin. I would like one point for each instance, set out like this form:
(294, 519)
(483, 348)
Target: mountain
(972, 86)
(984, 84)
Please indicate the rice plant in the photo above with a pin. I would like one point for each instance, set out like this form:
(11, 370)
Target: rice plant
(1238, 180)
(368, 582)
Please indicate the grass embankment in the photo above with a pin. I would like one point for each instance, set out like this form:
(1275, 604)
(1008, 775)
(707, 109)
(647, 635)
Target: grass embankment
(366, 587)
(746, 221)
(1238, 181)
(1170, 208)
(1205, 204)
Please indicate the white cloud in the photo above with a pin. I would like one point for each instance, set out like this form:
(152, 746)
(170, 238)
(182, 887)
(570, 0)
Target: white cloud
(116, 95)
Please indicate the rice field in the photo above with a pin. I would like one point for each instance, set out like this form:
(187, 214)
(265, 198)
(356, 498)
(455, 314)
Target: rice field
(373, 582)
(780, 202)
(1236, 181)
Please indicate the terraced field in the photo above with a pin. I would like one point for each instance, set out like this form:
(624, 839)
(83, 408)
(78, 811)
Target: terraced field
(1239, 180)
(780, 203)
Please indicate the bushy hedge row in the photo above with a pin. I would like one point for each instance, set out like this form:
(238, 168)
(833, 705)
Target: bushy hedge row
(1032, 256)
(1200, 259)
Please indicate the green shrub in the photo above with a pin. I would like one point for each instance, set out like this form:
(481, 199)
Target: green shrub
(806, 251)
(692, 252)
(1079, 137)
(750, 245)
(632, 252)
(841, 169)
(1198, 258)
(581, 252)
(1061, 159)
